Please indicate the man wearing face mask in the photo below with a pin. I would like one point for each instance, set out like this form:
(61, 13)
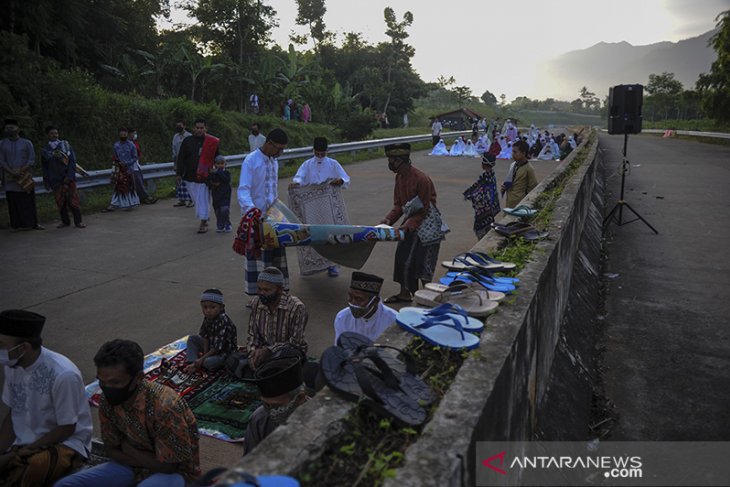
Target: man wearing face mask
(48, 429)
(137, 175)
(415, 260)
(277, 321)
(256, 139)
(16, 164)
(149, 432)
(181, 191)
(365, 313)
(321, 169)
(280, 383)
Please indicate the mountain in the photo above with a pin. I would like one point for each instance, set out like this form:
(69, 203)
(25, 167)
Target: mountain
(607, 64)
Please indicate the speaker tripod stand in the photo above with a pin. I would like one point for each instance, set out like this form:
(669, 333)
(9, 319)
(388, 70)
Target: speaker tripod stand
(621, 201)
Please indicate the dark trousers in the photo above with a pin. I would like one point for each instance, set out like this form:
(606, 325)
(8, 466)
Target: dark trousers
(222, 216)
(435, 139)
(21, 206)
(139, 186)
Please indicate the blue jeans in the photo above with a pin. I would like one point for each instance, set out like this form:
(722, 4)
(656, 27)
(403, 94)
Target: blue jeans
(113, 474)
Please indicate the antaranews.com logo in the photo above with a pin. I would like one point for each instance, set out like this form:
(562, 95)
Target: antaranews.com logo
(613, 467)
(605, 463)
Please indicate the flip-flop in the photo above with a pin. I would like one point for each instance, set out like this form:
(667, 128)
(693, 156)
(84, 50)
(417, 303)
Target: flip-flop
(366, 376)
(203, 229)
(522, 211)
(534, 235)
(396, 299)
(467, 260)
(488, 275)
(512, 229)
(495, 296)
(475, 303)
(484, 259)
(448, 312)
(405, 370)
(438, 331)
(483, 281)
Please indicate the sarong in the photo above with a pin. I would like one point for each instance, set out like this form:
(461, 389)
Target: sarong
(124, 195)
(253, 266)
(22, 209)
(39, 466)
(181, 191)
(317, 204)
(414, 261)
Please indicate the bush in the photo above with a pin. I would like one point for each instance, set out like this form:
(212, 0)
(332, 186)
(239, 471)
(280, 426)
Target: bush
(38, 92)
(357, 125)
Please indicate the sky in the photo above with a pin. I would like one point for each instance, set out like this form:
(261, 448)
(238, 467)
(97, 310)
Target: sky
(498, 46)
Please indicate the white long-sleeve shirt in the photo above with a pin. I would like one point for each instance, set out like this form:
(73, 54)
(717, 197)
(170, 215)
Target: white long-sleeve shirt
(371, 327)
(313, 172)
(258, 184)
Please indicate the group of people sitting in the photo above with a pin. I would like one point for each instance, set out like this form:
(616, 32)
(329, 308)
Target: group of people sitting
(542, 145)
(149, 433)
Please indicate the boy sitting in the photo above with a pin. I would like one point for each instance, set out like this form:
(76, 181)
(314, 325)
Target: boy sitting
(217, 337)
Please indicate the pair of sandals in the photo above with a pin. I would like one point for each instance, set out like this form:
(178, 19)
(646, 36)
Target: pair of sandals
(519, 229)
(447, 326)
(362, 371)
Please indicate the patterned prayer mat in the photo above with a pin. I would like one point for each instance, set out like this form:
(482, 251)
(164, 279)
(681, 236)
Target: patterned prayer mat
(224, 408)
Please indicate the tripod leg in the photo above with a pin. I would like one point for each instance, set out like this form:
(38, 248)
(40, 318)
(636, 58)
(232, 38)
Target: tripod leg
(641, 218)
(607, 220)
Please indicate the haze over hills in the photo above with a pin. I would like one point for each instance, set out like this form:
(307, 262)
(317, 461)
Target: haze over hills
(607, 64)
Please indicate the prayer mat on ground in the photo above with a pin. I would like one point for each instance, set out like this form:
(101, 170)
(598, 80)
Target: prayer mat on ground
(317, 204)
(224, 408)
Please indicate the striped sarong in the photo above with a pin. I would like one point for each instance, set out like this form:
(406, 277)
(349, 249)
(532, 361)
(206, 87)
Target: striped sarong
(253, 266)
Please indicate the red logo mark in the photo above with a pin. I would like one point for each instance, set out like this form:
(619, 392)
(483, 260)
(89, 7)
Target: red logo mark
(488, 462)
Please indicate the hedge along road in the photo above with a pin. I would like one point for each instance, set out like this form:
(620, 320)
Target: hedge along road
(138, 275)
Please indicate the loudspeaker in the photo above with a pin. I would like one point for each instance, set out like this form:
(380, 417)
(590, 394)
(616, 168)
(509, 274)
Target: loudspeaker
(624, 115)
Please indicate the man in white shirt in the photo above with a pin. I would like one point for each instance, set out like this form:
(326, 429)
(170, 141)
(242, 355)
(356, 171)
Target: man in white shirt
(258, 188)
(365, 313)
(47, 432)
(321, 169)
(256, 139)
(436, 128)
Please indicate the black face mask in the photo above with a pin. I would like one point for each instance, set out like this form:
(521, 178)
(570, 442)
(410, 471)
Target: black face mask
(11, 133)
(179, 129)
(268, 298)
(123, 139)
(391, 166)
(118, 395)
(255, 132)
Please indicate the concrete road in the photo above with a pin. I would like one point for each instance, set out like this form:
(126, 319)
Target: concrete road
(668, 341)
(139, 274)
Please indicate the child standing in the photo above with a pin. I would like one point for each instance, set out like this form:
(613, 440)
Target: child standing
(219, 182)
(217, 337)
(483, 196)
(521, 177)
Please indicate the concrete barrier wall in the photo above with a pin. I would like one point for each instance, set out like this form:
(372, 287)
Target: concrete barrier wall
(503, 390)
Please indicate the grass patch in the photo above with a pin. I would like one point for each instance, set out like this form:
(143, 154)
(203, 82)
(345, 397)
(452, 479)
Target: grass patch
(372, 447)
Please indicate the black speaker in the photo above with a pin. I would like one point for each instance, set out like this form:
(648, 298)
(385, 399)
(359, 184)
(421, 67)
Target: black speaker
(624, 115)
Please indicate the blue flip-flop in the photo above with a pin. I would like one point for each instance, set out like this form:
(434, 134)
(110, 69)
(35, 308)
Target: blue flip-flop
(452, 311)
(488, 275)
(441, 331)
(484, 258)
(522, 211)
(483, 281)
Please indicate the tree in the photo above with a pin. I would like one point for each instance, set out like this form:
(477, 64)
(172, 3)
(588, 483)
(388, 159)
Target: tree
(310, 13)
(502, 99)
(445, 82)
(488, 98)
(463, 94)
(589, 100)
(714, 87)
(664, 93)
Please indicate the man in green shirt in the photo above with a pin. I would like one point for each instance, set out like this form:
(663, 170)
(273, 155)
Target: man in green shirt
(521, 177)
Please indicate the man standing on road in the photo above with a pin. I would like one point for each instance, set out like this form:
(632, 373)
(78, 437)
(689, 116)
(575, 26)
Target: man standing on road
(321, 169)
(256, 139)
(59, 174)
(415, 258)
(16, 162)
(436, 128)
(194, 161)
(137, 176)
(258, 188)
(181, 190)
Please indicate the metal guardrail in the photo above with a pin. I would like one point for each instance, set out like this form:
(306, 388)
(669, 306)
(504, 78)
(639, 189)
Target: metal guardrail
(165, 169)
(693, 133)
